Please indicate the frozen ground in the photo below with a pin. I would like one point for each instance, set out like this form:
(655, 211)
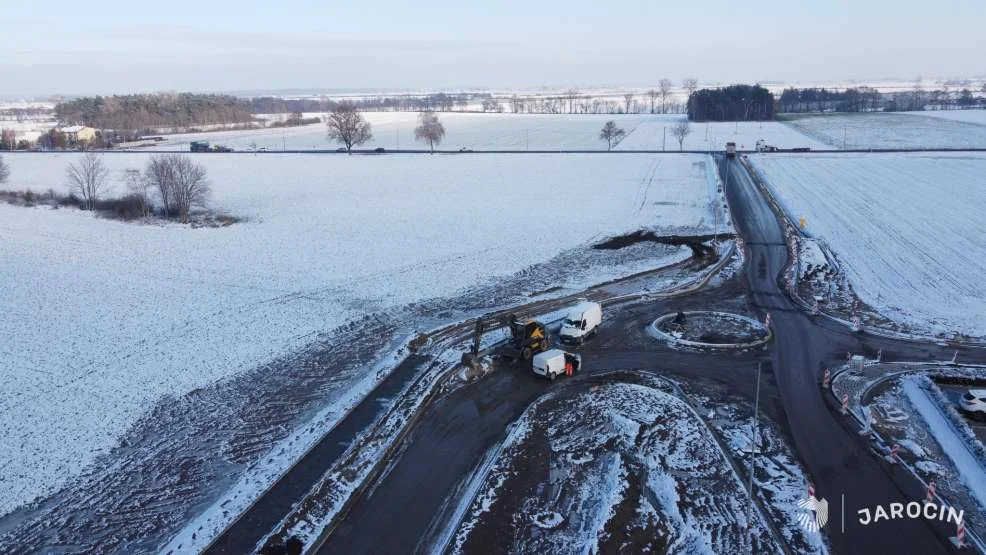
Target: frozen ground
(970, 470)
(617, 467)
(912, 412)
(905, 228)
(889, 130)
(104, 319)
(394, 130)
(650, 135)
(967, 116)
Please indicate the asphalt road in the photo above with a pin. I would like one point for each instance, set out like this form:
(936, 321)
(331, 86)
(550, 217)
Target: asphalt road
(415, 498)
(834, 454)
(410, 503)
(244, 534)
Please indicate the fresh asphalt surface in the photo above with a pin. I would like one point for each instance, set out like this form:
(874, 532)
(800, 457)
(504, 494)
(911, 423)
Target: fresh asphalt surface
(836, 458)
(412, 502)
(242, 536)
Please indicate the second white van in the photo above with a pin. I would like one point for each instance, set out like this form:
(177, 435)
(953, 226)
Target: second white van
(582, 322)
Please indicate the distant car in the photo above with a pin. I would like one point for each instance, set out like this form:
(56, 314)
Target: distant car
(341, 149)
(464, 149)
(379, 150)
(974, 402)
(262, 149)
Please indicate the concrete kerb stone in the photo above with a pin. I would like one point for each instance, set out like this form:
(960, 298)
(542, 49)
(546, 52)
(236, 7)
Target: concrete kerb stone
(655, 330)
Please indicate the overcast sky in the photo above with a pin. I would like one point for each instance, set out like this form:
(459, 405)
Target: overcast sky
(116, 46)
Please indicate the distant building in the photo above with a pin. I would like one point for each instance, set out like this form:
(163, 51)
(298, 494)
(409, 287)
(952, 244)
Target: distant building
(76, 134)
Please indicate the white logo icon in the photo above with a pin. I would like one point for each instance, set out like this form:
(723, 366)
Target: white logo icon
(815, 513)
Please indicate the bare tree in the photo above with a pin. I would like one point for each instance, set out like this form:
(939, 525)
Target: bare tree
(679, 131)
(665, 87)
(347, 126)
(627, 100)
(139, 188)
(571, 95)
(611, 134)
(652, 96)
(88, 178)
(516, 104)
(4, 171)
(181, 183)
(429, 129)
(690, 85)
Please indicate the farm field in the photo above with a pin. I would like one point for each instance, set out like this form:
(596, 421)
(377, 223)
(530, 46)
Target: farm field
(967, 116)
(392, 130)
(889, 131)
(105, 318)
(649, 135)
(905, 227)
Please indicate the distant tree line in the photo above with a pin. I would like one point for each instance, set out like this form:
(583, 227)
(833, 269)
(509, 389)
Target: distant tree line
(732, 103)
(150, 111)
(572, 101)
(868, 99)
(440, 102)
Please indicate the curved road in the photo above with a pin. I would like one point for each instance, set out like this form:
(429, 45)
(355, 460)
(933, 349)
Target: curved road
(408, 507)
(834, 454)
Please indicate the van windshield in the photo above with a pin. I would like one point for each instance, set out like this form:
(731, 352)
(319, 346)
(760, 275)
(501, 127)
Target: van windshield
(570, 322)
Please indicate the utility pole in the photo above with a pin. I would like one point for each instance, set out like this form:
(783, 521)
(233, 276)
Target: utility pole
(843, 137)
(753, 455)
(664, 143)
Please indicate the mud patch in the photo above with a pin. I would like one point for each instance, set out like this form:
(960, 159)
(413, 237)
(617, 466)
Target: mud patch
(656, 481)
(695, 242)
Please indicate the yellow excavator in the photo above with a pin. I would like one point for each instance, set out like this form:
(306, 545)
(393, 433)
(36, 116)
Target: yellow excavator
(527, 338)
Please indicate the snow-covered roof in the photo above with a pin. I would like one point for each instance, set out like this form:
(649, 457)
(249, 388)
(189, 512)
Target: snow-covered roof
(72, 129)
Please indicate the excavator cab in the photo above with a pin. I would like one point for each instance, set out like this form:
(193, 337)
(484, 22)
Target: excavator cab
(527, 338)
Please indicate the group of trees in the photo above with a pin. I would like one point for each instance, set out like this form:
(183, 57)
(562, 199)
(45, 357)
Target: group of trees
(732, 103)
(442, 102)
(613, 134)
(868, 99)
(572, 101)
(173, 180)
(347, 126)
(151, 111)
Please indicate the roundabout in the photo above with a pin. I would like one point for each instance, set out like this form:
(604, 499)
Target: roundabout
(710, 330)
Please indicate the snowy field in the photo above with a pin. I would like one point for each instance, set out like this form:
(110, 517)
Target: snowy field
(889, 130)
(906, 228)
(967, 116)
(392, 130)
(649, 135)
(102, 318)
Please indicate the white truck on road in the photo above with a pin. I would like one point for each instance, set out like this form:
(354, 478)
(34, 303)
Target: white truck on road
(582, 322)
(555, 362)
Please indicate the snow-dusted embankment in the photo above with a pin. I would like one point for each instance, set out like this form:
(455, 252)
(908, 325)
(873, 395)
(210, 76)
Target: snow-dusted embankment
(617, 467)
(906, 227)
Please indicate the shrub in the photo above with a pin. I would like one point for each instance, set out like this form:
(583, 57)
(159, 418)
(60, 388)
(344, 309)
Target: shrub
(129, 207)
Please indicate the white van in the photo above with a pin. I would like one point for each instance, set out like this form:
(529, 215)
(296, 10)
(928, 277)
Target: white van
(582, 321)
(551, 363)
